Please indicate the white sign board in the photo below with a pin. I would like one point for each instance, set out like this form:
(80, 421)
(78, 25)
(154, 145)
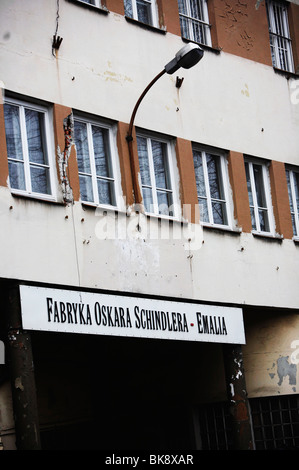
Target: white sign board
(69, 311)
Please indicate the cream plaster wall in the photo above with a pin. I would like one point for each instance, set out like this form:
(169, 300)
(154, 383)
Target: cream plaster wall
(73, 245)
(271, 356)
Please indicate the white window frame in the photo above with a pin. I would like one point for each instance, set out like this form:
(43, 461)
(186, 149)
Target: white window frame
(153, 9)
(95, 3)
(89, 122)
(172, 176)
(292, 196)
(225, 185)
(267, 190)
(204, 21)
(48, 145)
(277, 8)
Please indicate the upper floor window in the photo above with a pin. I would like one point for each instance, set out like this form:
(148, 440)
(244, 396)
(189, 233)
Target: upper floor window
(142, 10)
(280, 40)
(194, 21)
(96, 162)
(293, 188)
(258, 186)
(29, 149)
(157, 175)
(212, 187)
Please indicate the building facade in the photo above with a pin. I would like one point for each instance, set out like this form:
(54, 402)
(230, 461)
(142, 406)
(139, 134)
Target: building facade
(149, 298)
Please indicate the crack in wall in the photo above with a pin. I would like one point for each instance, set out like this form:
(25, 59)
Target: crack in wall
(63, 157)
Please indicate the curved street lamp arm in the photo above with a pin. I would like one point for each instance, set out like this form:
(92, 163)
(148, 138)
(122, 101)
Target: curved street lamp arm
(129, 136)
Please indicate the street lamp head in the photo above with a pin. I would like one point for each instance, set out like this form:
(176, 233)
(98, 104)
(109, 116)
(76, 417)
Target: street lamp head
(186, 57)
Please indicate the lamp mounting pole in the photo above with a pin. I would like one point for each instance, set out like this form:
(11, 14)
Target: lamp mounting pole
(186, 57)
(129, 137)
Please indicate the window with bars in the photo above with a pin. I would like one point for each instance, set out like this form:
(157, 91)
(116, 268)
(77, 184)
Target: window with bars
(213, 427)
(194, 20)
(280, 40)
(275, 422)
(29, 149)
(258, 186)
(212, 187)
(96, 162)
(144, 11)
(157, 175)
(293, 189)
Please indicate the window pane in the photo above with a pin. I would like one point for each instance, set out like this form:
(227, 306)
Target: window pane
(280, 42)
(219, 213)
(259, 185)
(198, 28)
(203, 210)
(296, 186)
(184, 27)
(128, 8)
(248, 184)
(40, 180)
(165, 203)
(143, 161)
(272, 45)
(160, 165)
(35, 136)
(278, 12)
(147, 199)
(106, 192)
(86, 188)
(13, 132)
(196, 9)
(264, 222)
(182, 6)
(80, 134)
(199, 174)
(198, 32)
(16, 175)
(214, 177)
(253, 222)
(101, 152)
(289, 190)
(144, 11)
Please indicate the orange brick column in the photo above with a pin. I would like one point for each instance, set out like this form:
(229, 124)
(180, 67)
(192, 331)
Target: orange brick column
(117, 6)
(127, 171)
(293, 11)
(280, 199)
(60, 113)
(188, 189)
(169, 16)
(237, 175)
(3, 151)
(241, 29)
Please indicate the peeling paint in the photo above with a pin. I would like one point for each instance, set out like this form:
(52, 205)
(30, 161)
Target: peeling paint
(284, 369)
(108, 75)
(63, 157)
(232, 390)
